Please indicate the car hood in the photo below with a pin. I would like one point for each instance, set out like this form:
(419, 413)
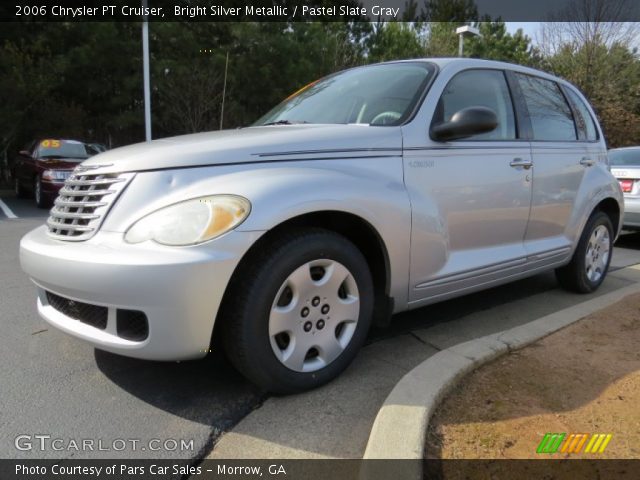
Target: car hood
(253, 144)
(59, 163)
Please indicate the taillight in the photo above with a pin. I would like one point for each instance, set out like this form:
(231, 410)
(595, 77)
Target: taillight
(626, 185)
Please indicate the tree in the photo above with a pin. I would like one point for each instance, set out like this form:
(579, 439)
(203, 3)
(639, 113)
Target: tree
(444, 16)
(495, 43)
(612, 86)
(450, 11)
(593, 23)
(592, 51)
(187, 76)
(396, 40)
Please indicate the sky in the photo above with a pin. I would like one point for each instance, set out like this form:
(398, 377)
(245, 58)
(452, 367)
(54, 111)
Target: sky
(531, 28)
(528, 28)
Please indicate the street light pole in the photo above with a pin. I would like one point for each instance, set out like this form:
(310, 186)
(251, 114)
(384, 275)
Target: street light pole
(461, 31)
(224, 90)
(145, 71)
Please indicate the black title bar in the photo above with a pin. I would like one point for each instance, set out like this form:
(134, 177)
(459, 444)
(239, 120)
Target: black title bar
(314, 10)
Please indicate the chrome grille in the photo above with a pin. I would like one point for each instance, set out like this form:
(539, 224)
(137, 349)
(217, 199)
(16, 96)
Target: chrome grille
(82, 204)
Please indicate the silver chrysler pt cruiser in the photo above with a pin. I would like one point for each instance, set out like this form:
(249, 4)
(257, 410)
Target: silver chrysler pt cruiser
(372, 191)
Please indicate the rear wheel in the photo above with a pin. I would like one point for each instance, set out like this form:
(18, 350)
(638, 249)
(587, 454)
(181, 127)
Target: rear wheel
(590, 261)
(299, 312)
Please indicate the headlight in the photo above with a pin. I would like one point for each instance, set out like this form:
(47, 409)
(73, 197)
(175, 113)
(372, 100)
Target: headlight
(54, 175)
(192, 221)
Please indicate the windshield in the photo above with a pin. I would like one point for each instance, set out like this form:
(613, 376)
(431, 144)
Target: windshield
(624, 157)
(382, 95)
(67, 149)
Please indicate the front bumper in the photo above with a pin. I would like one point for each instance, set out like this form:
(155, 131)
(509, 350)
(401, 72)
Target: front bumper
(51, 189)
(179, 289)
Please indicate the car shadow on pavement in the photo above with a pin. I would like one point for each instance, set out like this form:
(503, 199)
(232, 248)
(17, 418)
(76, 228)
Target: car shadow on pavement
(208, 391)
(630, 240)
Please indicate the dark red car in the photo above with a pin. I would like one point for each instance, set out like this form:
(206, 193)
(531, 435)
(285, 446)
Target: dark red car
(44, 165)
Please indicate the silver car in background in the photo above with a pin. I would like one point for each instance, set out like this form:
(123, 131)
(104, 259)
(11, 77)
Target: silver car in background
(369, 192)
(625, 166)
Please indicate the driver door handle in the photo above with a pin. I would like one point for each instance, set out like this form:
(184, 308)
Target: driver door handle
(519, 162)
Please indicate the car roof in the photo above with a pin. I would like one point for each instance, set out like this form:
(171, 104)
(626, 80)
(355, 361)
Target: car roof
(625, 148)
(443, 62)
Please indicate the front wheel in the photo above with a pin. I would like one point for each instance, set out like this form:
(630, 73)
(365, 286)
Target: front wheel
(299, 312)
(41, 199)
(590, 261)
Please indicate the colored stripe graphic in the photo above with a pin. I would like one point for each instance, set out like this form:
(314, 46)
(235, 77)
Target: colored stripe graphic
(598, 443)
(573, 443)
(550, 442)
(582, 442)
(605, 443)
(570, 443)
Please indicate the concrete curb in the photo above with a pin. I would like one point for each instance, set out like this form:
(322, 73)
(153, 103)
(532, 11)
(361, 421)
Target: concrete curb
(400, 427)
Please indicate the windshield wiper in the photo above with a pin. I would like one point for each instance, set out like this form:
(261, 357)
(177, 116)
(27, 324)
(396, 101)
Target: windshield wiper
(284, 122)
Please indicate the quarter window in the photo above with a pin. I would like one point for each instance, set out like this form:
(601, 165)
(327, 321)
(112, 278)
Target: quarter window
(550, 114)
(479, 88)
(586, 126)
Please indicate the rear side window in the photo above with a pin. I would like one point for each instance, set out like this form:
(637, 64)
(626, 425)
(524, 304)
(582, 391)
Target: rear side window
(479, 88)
(550, 114)
(586, 126)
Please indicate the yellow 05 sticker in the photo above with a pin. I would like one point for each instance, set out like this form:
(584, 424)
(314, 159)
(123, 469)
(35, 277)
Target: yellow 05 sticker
(50, 143)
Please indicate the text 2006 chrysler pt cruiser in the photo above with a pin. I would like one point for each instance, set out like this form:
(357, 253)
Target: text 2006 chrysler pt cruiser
(372, 191)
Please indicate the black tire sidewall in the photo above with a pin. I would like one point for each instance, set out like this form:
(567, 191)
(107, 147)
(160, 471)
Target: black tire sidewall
(594, 222)
(260, 362)
(43, 201)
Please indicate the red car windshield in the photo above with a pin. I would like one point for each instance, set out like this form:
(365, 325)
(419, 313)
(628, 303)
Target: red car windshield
(68, 149)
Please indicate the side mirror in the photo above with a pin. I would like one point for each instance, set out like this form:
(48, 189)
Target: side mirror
(465, 123)
(24, 153)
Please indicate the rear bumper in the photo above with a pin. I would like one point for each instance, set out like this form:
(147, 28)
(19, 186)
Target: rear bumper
(631, 217)
(178, 289)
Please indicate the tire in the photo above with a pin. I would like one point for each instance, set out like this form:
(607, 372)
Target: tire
(41, 199)
(290, 323)
(590, 262)
(18, 189)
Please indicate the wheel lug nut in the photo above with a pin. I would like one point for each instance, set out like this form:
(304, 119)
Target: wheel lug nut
(304, 312)
(316, 301)
(308, 326)
(320, 324)
(325, 309)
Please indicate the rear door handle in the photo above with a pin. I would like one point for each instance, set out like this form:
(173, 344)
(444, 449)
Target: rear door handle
(519, 162)
(587, 162)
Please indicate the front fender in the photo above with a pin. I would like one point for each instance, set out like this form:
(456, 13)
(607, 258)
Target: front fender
(370, 188)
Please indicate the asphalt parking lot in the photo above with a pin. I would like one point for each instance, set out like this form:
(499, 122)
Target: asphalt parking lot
(57, 386)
